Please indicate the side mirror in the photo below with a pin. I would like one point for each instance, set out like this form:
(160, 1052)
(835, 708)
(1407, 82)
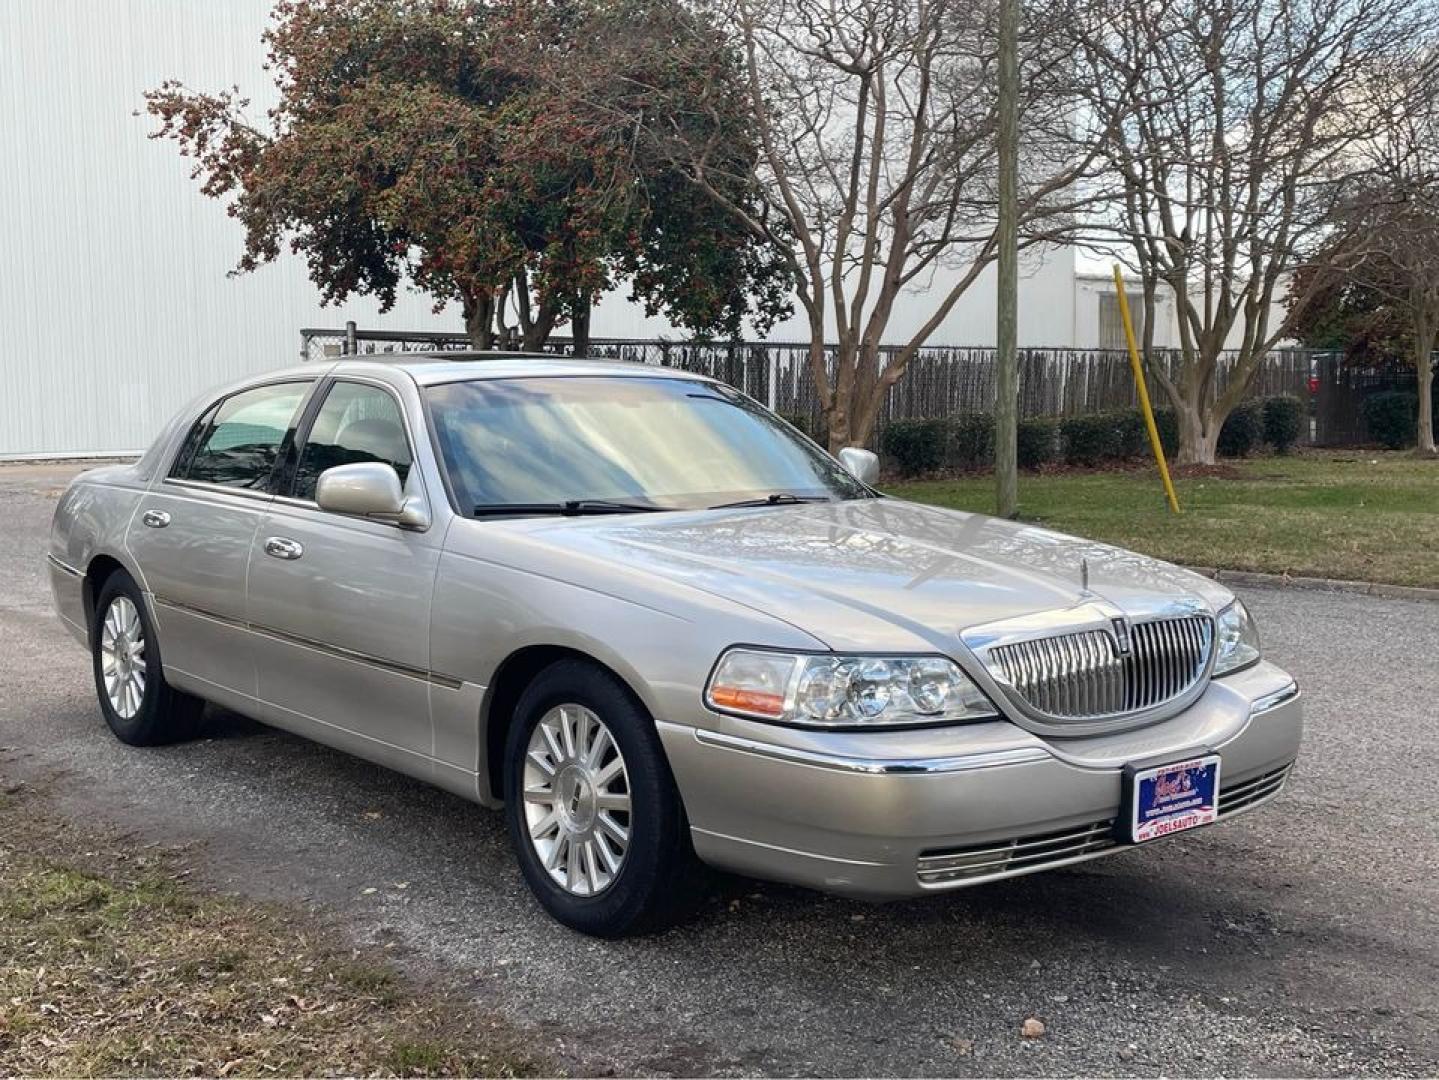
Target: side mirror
(860, 463)
(370, 489)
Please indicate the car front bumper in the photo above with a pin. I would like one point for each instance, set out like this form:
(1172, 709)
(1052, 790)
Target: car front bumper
(882, 815)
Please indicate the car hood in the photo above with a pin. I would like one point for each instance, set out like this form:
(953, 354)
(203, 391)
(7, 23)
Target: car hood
(881, 574)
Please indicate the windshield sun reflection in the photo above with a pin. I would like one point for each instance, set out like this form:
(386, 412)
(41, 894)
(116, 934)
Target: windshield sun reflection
(622, 444)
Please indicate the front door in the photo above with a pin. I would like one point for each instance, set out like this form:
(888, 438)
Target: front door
(192, 534)
(340, 605)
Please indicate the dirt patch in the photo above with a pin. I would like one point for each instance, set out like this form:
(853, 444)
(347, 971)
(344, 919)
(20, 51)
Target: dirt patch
(1219, 471)
(111, 963)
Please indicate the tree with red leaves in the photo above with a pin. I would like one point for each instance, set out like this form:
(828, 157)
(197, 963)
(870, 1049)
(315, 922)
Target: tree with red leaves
(422, 141)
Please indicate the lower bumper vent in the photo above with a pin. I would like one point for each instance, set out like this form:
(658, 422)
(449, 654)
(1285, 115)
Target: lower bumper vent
(1004, 857)
(1257, 789)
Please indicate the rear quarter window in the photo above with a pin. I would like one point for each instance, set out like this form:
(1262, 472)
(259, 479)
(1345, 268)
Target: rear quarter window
(239, 440)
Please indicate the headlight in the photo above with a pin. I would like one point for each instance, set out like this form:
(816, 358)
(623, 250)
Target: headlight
(844, 691)
(1237, 640)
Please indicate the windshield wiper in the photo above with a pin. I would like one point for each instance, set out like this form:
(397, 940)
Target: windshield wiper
(774, 498)
(569, 508)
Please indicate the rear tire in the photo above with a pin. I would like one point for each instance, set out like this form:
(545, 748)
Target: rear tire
(593, 810)
(141, 708)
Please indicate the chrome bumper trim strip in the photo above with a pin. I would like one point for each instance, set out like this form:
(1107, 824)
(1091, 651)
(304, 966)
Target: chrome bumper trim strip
(837, 860)
(63, 566)
(1274, 700)
(987, 759)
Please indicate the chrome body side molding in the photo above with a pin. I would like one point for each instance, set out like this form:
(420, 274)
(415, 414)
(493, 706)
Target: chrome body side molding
(438, 678)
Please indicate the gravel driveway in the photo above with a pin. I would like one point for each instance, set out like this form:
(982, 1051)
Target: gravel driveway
(1303, 939)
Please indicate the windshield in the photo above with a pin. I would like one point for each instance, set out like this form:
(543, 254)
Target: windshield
(648, 443)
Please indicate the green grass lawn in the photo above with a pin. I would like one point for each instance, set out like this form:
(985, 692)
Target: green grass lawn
(1358, 515)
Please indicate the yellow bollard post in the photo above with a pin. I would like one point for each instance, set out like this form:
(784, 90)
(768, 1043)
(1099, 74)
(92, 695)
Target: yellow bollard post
(1138, 369)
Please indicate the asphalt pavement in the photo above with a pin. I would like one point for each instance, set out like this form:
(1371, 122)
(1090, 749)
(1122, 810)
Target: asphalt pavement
(1302, 939)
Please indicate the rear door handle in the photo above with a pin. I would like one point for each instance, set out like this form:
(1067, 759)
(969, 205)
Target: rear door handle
(156, 519)
(282, 547)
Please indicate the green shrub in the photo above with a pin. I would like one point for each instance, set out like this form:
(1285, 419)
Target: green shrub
(1037, 442)
(1089, 440)
(914, 447)
(1243, 430)
(971, 444)
(1392, 418)
(1283, 422)
(1132, 434)
(1167, 423)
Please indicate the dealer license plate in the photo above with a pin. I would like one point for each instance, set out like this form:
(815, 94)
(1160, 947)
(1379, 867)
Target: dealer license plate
(1170, 798)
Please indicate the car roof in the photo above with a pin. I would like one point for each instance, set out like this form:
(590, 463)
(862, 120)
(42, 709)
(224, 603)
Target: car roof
(431, 368)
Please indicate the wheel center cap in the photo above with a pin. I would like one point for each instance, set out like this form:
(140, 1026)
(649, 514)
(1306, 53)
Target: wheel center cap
(575, 799)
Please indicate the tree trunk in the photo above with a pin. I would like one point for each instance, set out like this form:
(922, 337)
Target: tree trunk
(1198, 435)
(521, 286)
(538, 332)
(844, 401)
(819, 375)
(837, 426)
(580, 327)
(479, 310)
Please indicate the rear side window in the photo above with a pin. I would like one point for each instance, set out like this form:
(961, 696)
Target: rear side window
(193, 438)
(357, 423)
(239, 440)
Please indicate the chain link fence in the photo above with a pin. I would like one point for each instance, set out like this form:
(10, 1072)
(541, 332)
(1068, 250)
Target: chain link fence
(941, 380)
(1341, 388)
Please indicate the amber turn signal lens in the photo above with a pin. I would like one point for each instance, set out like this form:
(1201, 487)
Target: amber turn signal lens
(751, 701)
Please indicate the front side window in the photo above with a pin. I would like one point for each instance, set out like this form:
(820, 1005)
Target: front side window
(657, 443)
(239, 442)
(357, 423)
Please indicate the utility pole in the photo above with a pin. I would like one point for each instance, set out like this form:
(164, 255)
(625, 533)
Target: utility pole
(1006, 376)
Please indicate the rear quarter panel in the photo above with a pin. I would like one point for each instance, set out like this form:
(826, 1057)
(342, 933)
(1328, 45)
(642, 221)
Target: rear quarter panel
(91, 520)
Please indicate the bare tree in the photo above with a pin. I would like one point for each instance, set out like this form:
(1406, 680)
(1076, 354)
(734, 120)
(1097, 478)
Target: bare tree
(1399, 217)
(1237, 127)
(874, 123)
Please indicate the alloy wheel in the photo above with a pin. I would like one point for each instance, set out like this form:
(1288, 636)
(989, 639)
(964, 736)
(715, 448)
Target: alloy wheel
(577, 800)
(122, 657)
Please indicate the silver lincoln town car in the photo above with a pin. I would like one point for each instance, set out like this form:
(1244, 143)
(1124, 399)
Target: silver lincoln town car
(655, 623)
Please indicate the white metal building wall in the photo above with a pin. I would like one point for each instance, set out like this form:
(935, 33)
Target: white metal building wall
(115, 304)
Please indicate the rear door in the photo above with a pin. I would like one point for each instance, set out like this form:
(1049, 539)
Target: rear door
(193, 531)
(341, 604)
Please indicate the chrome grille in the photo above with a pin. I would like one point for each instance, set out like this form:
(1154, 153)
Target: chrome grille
(1083, 675)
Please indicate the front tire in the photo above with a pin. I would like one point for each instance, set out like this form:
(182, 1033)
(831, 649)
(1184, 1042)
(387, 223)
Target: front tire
(593, 811)
(141, 708)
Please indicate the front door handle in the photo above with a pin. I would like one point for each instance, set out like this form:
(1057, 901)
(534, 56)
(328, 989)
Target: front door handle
(156, 519)
(282, 547)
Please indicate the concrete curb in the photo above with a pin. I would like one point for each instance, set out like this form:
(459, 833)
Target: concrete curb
(1286, 581)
